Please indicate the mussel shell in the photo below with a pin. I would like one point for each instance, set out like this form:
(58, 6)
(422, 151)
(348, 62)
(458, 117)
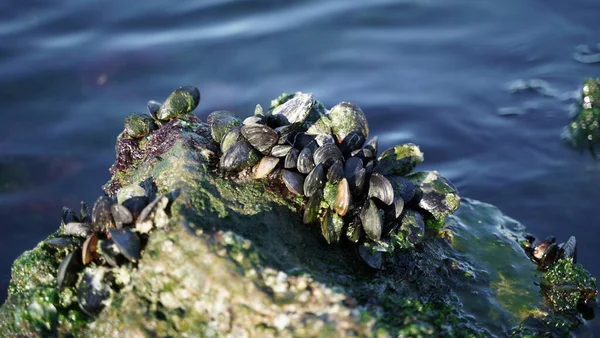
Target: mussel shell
(150, 209)
(568, 250)
(102, 218)
(359, 181)
(127, 242)
(259, 111)
(294, 110)
(370, 255)
(347, 118)
(68, 269)
(403, 187)
(78, 229)
(287, 134)
(291, 159)
(540, 247)
(336, 172)
(138, 125)
(412, 227)
(372, 145)
(351, 142)
(232, 137)
(343, 199)
(265, 166)
(315, 180)
(135, 205)
(381, 188)
(351, 169)
(92, 294)
(364, 154)
(311, 210)
(85, 215)
(182, 101)
(261, 137)
(110, 253)
(68, 216)
(293, 181)
(550, 256)
(399, 160)
(221, 122)
(331, 227)
(303, 140)
(354, 232)
(121, 215)
(371, 219)
(63, 242)
(240, 156)
(328, 154)
(153, 108)
(88, 249)
(324, 139)
(305, 161)
(395, 209)
(253, 120)
(281, 150)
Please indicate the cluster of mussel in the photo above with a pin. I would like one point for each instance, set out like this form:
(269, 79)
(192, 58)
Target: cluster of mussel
(547, 252)
(111, 235)
(182, 101)
(372, 202)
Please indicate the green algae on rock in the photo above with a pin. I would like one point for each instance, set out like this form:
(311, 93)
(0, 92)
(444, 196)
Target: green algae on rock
(229, 256)
(584, 130)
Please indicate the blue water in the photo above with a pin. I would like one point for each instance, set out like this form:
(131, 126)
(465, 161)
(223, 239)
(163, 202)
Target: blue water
(440, 73)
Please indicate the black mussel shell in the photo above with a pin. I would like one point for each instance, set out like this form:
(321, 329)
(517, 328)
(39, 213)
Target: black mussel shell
(221, 122)
(315, 180)
(381, 188)
(359, 181)
(351, 168)
(135, 205)
(62, 242)
(92, 294)
(265, 166)
(311, 211)
(88, 249)
(305, 161)
(153, 108)
(294, 110)
(69, 216)
(539, 249)
(569, 250)
(403, 187)
(102, 219)
(287, 134)
(354, 232)
(182, 101)
(291, 159)
(331, 227)
(550, 256)
(372, 145)
(121, 215)
(336, 172)
(371, 219)
(369, 254)
(85, 215)
(369, 167)
(110, 253)
(293, 181)
(241, 155)
(395, 209)
(351, 142)
(302, 140)
(68, 269)
(281, 150)
(150, 209)
(230, 138)
(327, 154)
(364, 154)
(127, 242)
(343, 199)
(261, 137)
(78, 229)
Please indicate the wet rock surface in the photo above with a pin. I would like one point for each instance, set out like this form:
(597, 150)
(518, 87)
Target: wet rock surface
(226, 254)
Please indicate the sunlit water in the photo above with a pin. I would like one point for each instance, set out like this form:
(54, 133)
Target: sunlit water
(449, 75)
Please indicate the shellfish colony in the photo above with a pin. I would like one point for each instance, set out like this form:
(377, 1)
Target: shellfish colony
(546, 253)
(372, 201)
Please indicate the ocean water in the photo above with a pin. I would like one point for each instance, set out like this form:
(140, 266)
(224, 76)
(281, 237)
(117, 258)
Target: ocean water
(484, 87)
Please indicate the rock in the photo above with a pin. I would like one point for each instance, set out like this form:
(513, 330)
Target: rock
(232, 257)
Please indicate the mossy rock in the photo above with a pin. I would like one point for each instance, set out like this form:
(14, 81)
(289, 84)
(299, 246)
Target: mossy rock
(234, 259)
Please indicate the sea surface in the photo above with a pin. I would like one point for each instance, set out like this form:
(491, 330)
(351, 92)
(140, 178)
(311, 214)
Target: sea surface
(485, 87)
